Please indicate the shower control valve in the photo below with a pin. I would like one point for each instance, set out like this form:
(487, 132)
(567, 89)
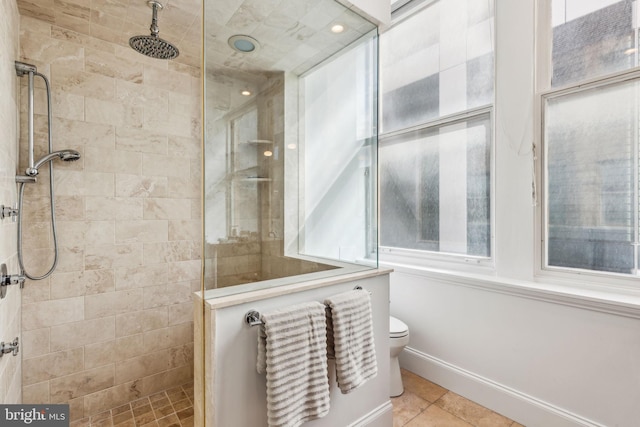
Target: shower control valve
(13, 279)
(11, 347)
(9, 279)
(8, 212)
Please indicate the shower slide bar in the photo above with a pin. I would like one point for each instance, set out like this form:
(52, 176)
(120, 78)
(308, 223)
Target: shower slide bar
(31, 172)
(29, 70)
(252, 317)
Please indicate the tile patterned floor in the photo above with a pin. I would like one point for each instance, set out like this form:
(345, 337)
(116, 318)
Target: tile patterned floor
(425, 404)
(170, 408)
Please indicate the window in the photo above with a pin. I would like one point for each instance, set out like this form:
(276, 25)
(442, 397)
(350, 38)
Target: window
(592, 38)
(436, 129)
(590, 133)
(435, 188)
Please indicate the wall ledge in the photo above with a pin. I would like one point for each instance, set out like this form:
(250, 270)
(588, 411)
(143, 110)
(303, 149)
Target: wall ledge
(299, 284)
(621, 303)
(505, 400)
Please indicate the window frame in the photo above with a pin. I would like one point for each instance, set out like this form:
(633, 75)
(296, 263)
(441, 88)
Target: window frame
(424, 258)
(432, 259)
(584, 278)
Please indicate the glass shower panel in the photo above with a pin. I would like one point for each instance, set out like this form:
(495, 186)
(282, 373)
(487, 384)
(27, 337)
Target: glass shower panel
(289, 165)
(340, 160)
(247, 173)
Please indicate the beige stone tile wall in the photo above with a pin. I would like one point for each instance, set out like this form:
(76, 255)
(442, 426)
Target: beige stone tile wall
(115, 320)
(10, 366)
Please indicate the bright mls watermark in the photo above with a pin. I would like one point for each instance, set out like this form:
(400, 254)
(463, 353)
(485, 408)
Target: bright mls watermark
(34, 415)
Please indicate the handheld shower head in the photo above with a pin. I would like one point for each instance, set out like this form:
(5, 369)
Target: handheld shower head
(65, 155)
(69, 155)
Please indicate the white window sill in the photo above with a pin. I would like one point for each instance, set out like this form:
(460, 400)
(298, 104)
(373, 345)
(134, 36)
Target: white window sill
(616, 301)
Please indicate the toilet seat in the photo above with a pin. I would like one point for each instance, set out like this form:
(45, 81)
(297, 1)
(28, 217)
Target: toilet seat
(397, 328)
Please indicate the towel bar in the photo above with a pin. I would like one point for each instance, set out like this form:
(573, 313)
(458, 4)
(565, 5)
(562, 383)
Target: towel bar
(252, 317)
(360, 288)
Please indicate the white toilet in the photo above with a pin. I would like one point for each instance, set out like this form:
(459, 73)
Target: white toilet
(398, 339)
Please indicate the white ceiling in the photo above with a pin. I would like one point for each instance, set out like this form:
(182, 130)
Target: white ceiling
(294, 34)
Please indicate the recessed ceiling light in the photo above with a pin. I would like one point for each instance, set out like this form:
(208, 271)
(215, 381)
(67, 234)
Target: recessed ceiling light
(337, 28)
(246, 92)
(630, 51)
(243, 44)
(268, 153)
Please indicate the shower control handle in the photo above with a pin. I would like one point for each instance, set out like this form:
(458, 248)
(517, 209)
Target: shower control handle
(8, 212)
(9, 279)
(10, 347)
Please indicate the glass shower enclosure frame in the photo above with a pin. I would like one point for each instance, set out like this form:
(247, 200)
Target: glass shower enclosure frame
(290, 145)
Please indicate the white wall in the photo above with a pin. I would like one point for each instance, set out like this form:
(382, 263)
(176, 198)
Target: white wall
(237, 386)
(10, 311)
(514, 342)
(539, 363)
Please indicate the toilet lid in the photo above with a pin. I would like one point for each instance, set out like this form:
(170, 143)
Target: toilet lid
(397, 328)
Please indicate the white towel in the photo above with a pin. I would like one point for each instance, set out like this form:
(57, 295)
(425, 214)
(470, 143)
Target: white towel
(292, 350)
(354, 349)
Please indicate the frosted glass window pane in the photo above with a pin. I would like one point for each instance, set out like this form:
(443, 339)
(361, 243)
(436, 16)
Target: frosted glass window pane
(453, 90)
(591, 143)
(479, 40)
(416, 52)
(591, 38)
(435, 193)
(453, 33)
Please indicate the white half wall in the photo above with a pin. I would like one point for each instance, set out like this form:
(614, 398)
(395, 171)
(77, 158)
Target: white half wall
(236, 393)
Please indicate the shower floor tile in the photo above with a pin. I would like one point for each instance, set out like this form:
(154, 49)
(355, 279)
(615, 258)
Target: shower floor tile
(169, 408)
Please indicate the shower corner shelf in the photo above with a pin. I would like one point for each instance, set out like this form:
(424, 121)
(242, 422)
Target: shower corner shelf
(255, 179)
(259, 141)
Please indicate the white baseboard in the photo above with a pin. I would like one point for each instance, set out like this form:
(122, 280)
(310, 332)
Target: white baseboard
(518, 406)
(382, 416)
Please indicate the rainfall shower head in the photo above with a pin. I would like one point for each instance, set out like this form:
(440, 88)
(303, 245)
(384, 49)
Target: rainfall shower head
(65, 155)
(152, 45)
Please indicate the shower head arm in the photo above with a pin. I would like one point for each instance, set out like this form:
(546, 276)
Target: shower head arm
(155, 30)
(152, 45)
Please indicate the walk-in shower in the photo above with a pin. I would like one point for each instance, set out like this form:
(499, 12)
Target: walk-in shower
(290, 144)
(32, 170)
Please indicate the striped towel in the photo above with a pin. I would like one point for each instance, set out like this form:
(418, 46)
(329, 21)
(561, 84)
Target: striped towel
(351, 328)
(292, 350)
